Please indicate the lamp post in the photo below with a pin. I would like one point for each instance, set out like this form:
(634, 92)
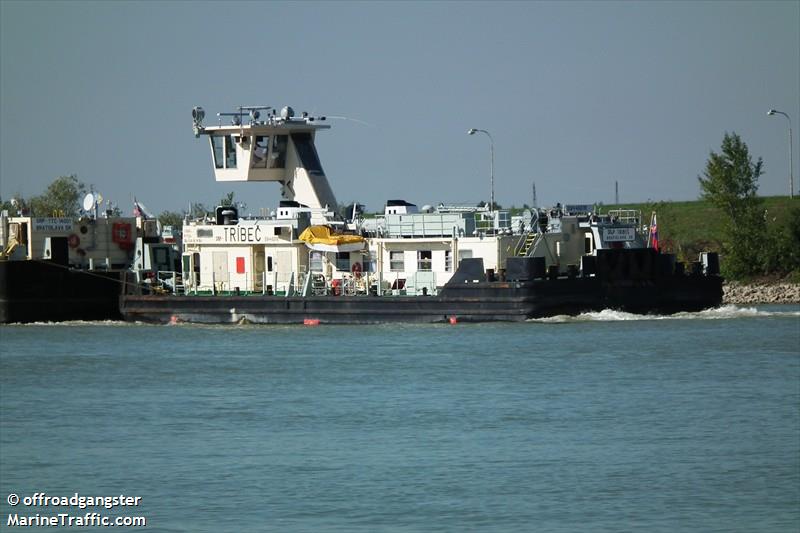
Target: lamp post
(473, 131)
(791, 169)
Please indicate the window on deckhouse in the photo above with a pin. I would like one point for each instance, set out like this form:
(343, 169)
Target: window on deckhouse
(424, 260)
(396, 262)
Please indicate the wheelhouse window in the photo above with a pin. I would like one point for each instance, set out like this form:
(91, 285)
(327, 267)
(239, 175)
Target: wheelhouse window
(260, 152)
(230, 152)
(424, 260)
(370, 264)
(277, 158)
(448, 261)
(304, 145)
(343, 261)
(217, 147)
(396, 261)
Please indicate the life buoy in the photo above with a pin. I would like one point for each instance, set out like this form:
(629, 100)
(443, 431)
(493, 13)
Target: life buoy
(73, 240)
(122, 235)
(356, 268)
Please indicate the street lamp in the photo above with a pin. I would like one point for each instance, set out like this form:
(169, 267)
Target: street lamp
(472, 131)
(791, 170)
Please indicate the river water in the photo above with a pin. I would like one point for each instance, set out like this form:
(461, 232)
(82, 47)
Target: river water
(603, 422)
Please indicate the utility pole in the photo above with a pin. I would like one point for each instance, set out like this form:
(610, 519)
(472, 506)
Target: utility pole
(616, 192)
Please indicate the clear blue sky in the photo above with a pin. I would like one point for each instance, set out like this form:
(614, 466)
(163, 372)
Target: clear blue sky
(577, 95)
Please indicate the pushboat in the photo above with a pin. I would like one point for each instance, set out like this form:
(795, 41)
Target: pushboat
(304, 262)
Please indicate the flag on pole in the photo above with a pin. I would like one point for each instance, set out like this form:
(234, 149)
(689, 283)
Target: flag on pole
(653, 238)
(139, 210)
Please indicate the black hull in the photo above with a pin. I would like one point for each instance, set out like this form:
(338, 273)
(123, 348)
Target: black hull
(42, 291)
(474, 302)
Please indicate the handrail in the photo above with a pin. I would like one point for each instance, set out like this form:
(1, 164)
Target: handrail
(626, 216)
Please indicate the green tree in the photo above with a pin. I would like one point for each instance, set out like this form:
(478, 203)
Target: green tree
(171, 218)
(730, 183)
(226, 200)
(198, 210)
(346, 211)
(229, 200)
(61, 198)
(114, 210)
(15, 205)
(783, 252)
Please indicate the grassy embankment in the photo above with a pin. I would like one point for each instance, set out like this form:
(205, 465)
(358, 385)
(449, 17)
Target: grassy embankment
(687, 228)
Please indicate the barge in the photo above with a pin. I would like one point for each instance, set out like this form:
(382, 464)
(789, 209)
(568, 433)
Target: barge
(55, 269)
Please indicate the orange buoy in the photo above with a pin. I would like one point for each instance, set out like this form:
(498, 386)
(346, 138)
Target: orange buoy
(453, 320)
(311, 321)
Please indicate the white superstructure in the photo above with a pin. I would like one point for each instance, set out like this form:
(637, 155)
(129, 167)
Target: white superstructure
(405, 251)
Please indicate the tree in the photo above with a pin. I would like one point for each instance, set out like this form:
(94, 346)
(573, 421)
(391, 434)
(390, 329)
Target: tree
(495, 206)
(226, 200)
(730, 183)
(783, 253)
(61, 198)
(346, 211)
(16, 205)
(171, 218)
(198, 210)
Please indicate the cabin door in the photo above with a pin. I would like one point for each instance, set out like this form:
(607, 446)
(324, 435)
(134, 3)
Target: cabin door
(220, 265)
(284, 268)
(258, 261)
(187, 271)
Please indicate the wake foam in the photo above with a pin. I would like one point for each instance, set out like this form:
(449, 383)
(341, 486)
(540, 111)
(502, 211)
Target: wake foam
(73, 323)
(725, 312)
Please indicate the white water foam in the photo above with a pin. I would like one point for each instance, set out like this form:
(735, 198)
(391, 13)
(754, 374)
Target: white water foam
(73, 323)
(725, 312)
(718, 313)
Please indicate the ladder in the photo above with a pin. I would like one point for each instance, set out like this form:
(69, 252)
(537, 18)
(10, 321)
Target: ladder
(179, 286)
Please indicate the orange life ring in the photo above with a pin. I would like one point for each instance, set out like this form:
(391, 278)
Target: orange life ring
(356, 268)
(73, 240)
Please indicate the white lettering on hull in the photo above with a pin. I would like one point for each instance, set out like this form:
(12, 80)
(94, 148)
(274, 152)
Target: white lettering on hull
(619, 234)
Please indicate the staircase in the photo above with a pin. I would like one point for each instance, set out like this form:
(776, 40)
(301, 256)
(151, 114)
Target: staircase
(527, 244)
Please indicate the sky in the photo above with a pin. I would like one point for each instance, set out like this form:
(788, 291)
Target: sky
(576, 95)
